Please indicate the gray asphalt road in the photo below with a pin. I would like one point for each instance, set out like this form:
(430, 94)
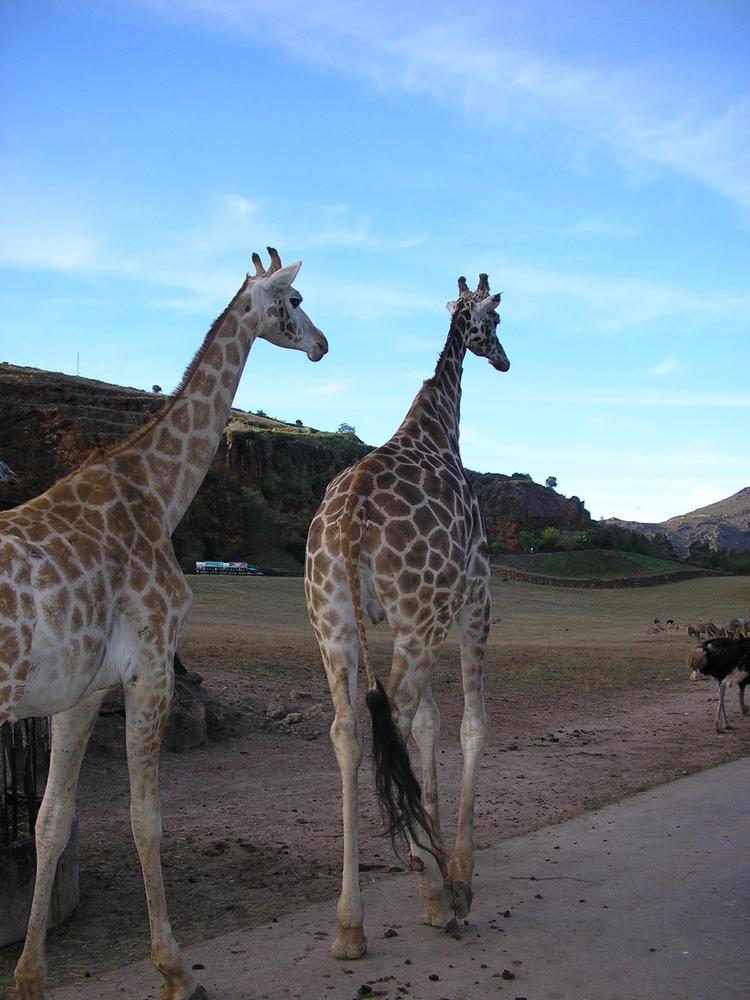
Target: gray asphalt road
(648, 899)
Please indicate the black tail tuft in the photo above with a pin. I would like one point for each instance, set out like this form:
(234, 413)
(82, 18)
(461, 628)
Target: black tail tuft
(397, 788)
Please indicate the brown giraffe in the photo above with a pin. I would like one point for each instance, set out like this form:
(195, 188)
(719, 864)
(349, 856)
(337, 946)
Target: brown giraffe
(92, 598)
(399, 535)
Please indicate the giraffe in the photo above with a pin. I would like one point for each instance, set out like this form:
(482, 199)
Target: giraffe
(400, 536)
(92, 598)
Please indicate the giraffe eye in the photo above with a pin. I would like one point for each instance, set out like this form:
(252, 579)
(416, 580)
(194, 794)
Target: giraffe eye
(295, 301)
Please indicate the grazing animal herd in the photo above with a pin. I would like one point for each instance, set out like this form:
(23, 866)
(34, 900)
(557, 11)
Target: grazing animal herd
(92, 597)
(735, 628)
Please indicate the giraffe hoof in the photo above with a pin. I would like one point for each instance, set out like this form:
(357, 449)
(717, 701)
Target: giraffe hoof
(169, 992)
(350, 944)
(30, 989)
(462, 896)
(440, 918)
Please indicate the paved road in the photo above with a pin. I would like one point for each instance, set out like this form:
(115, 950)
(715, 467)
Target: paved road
(645, 900)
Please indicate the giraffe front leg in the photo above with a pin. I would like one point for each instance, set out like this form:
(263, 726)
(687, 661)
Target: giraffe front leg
(70, 734)
(473, 624)
(147, 701)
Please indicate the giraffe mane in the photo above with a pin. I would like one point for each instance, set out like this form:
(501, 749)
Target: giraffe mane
(158, 415)
(451, 332)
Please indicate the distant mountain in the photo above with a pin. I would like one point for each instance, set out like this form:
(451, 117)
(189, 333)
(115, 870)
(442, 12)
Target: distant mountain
(723, 525)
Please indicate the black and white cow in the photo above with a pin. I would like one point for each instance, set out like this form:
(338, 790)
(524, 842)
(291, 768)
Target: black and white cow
(728, 661)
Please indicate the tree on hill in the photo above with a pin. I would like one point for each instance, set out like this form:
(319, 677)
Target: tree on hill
(550, 482)
(346, 429)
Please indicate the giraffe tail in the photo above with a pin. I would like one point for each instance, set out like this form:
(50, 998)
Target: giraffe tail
(398, 791)
(352, 526)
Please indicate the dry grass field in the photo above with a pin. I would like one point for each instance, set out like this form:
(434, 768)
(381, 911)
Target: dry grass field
(587, 704)
(545, 642)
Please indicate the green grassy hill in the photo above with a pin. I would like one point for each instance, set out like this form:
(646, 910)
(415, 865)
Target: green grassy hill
(585, 564)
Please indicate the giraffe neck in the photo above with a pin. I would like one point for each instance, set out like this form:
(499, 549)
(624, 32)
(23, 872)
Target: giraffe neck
(437, 405)
(176, 447)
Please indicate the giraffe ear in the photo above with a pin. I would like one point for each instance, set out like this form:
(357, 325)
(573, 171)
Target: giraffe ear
(284, 277)
(452, 306)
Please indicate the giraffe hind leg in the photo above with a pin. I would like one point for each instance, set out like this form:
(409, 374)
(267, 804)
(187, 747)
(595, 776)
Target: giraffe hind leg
(426, 732)
(473, 626)
(340, 660)
(407, 685)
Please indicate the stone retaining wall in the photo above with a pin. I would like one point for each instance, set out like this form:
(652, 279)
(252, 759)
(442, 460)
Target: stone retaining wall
(629, 581)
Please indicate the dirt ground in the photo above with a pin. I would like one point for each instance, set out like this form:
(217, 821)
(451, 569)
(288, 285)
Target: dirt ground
(252, 824)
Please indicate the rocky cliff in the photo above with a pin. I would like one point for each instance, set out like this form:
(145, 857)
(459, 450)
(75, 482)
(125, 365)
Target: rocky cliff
(512, 505)
(262, 488)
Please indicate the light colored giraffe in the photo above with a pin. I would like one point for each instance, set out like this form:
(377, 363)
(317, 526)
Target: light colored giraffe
(91, 598)
(400, 535)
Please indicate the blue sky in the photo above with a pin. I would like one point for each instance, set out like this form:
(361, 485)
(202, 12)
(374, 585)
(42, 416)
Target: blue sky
(592, 157)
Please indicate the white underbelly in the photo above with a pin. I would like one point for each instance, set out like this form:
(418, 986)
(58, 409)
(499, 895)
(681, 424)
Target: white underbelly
(60, 678)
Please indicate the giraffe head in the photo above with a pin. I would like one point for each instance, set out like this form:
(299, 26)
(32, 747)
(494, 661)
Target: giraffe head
(476, 317)
(269, 301)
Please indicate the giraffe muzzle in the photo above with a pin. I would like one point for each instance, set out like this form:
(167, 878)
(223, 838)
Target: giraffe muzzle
(320, 348)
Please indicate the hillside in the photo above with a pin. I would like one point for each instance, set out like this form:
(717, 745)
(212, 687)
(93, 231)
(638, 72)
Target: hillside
(260, 492)
(721, 525)
(262, 488)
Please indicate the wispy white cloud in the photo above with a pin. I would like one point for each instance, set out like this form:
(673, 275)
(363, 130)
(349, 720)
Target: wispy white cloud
(615, 396)
(196, 267)
(612, 424)
(42, 247)
(592, 303)
(339, 227)
(467, 64)
(657, 463)
(198, 271)
(600, 228)
(340, 231)
(666, 367)
(330, 388)
(240, 207)
(372, 302)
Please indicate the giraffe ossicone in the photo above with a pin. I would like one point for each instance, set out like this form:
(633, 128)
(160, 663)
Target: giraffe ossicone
(92, 598)
(399, 536)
